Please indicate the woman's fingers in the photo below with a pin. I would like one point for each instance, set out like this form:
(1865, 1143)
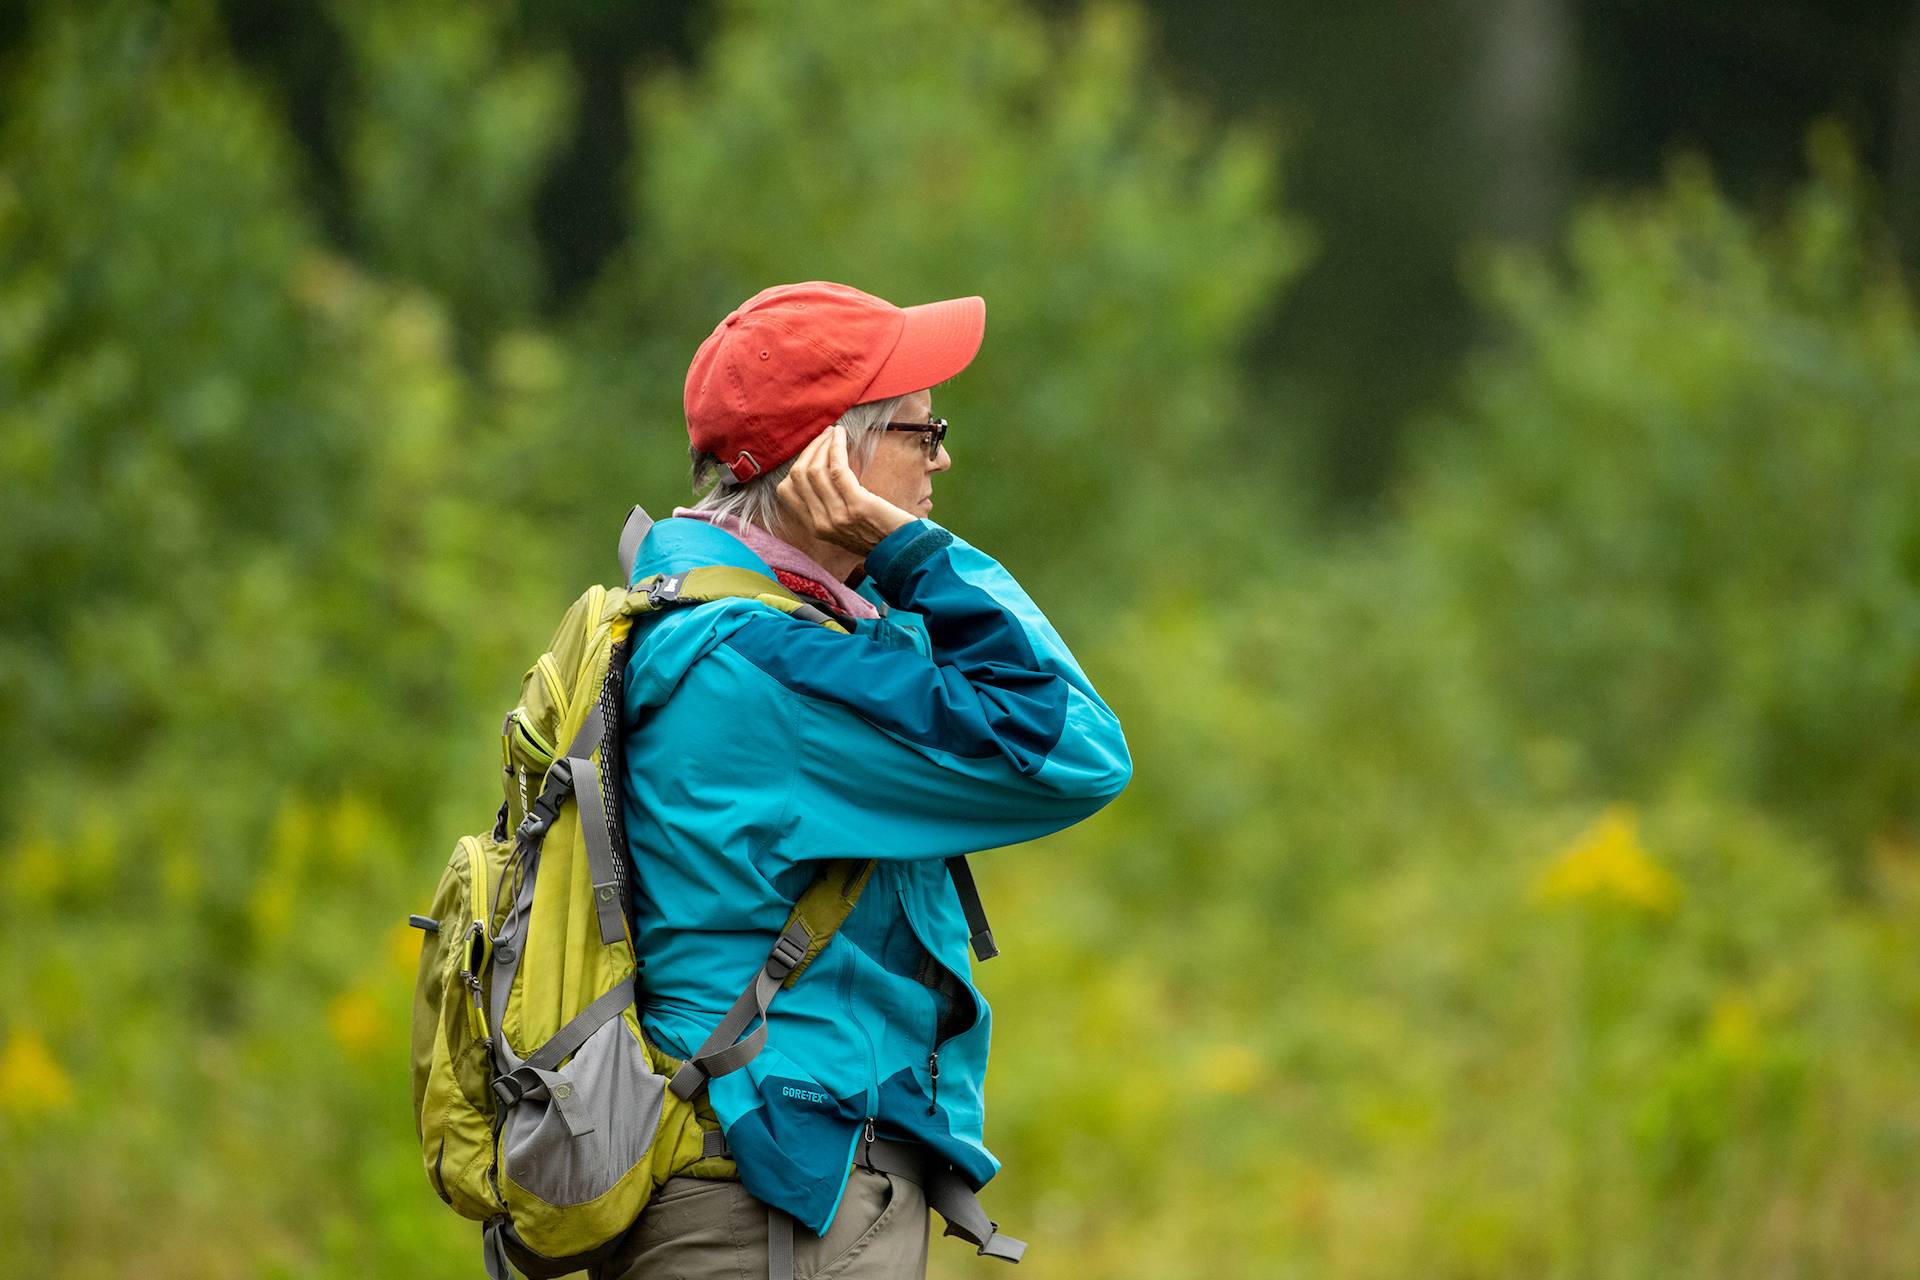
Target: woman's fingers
(842, 486)
(827, 498)
(820, 483)
(800, 488)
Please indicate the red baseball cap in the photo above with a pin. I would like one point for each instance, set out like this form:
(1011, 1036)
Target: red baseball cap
(792, 359)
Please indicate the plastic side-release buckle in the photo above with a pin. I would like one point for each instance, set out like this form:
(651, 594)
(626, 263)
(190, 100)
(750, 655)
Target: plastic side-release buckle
(665, 589)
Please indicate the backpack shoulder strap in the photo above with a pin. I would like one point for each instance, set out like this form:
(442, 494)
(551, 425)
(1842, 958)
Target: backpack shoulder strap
(825, 906)
(818, 913)
(979, 932)
(723, 582)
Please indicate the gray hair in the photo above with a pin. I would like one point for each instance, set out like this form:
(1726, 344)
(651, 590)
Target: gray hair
(757, 501)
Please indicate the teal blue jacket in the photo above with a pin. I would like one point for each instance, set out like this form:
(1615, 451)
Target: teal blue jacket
(756, 745)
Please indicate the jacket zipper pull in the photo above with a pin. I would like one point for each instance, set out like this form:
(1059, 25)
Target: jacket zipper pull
(933, 1078)
(867, 1137)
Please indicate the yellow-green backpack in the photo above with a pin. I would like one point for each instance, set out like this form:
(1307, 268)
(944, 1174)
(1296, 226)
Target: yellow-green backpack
(542, 1111)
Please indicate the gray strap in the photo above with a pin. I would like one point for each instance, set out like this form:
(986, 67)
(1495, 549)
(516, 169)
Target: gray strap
(569, 1038)
(493, 1252)
(507, 946)
(947, 1194)
(590, 805)
(575, 772)
(718, 1054)
(954, 1200)
(981, 934)
(631, 535)
(779, 1244)
(529, 1077)
(714, 1145)
(898, 1158)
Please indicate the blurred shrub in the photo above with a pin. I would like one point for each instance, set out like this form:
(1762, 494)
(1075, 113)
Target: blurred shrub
(1683, 503)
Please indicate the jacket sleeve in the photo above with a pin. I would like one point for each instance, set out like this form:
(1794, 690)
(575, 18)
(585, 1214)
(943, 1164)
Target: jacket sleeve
(995, 738)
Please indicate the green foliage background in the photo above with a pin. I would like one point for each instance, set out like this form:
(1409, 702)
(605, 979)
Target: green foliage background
(1525, 884)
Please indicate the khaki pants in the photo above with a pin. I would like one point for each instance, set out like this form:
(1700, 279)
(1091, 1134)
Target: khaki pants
(710, 1229)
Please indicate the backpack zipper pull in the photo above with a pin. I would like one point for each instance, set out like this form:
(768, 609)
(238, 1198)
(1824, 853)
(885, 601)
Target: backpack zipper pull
(933, 1078)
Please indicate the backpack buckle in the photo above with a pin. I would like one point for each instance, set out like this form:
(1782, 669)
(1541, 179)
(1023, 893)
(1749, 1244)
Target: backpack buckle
(788, 952)
(665, 589)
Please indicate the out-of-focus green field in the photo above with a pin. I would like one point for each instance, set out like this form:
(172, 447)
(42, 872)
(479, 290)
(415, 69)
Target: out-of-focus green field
(1524, 882)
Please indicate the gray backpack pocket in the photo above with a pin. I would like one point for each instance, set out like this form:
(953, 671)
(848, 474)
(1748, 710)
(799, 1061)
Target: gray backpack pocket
(578, 1130)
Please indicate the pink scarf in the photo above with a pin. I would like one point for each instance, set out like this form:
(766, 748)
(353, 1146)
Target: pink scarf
(796, 570)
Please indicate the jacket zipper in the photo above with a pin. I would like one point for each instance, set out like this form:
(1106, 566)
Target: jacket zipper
(961, 992)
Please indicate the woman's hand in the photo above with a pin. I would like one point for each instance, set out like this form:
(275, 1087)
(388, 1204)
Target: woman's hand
(823, 497)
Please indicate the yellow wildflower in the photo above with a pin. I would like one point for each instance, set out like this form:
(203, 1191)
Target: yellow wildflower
(31, 1082)
(356, 1024)
(1606, 863)
(1229, 1068)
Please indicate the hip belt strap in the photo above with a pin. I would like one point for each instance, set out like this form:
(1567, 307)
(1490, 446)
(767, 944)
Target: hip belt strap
(947, 1193)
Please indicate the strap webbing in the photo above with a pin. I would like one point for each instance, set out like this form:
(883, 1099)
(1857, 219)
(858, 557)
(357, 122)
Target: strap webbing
(599, 846)
(708, 583)
(980, 933)
(779, 1244)
(568, 1039)
(947, 1194)
(493, 1252)
(718, 1054)
(632, 534)
(507, 946)
(590, 806)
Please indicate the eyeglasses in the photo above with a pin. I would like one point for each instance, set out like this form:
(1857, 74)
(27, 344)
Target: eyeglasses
(934, 432)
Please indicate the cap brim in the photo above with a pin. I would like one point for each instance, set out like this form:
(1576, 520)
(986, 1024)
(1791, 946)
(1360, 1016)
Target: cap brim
(938, 341)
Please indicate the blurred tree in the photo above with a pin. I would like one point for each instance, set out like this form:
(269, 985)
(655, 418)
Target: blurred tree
(1684, 503)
